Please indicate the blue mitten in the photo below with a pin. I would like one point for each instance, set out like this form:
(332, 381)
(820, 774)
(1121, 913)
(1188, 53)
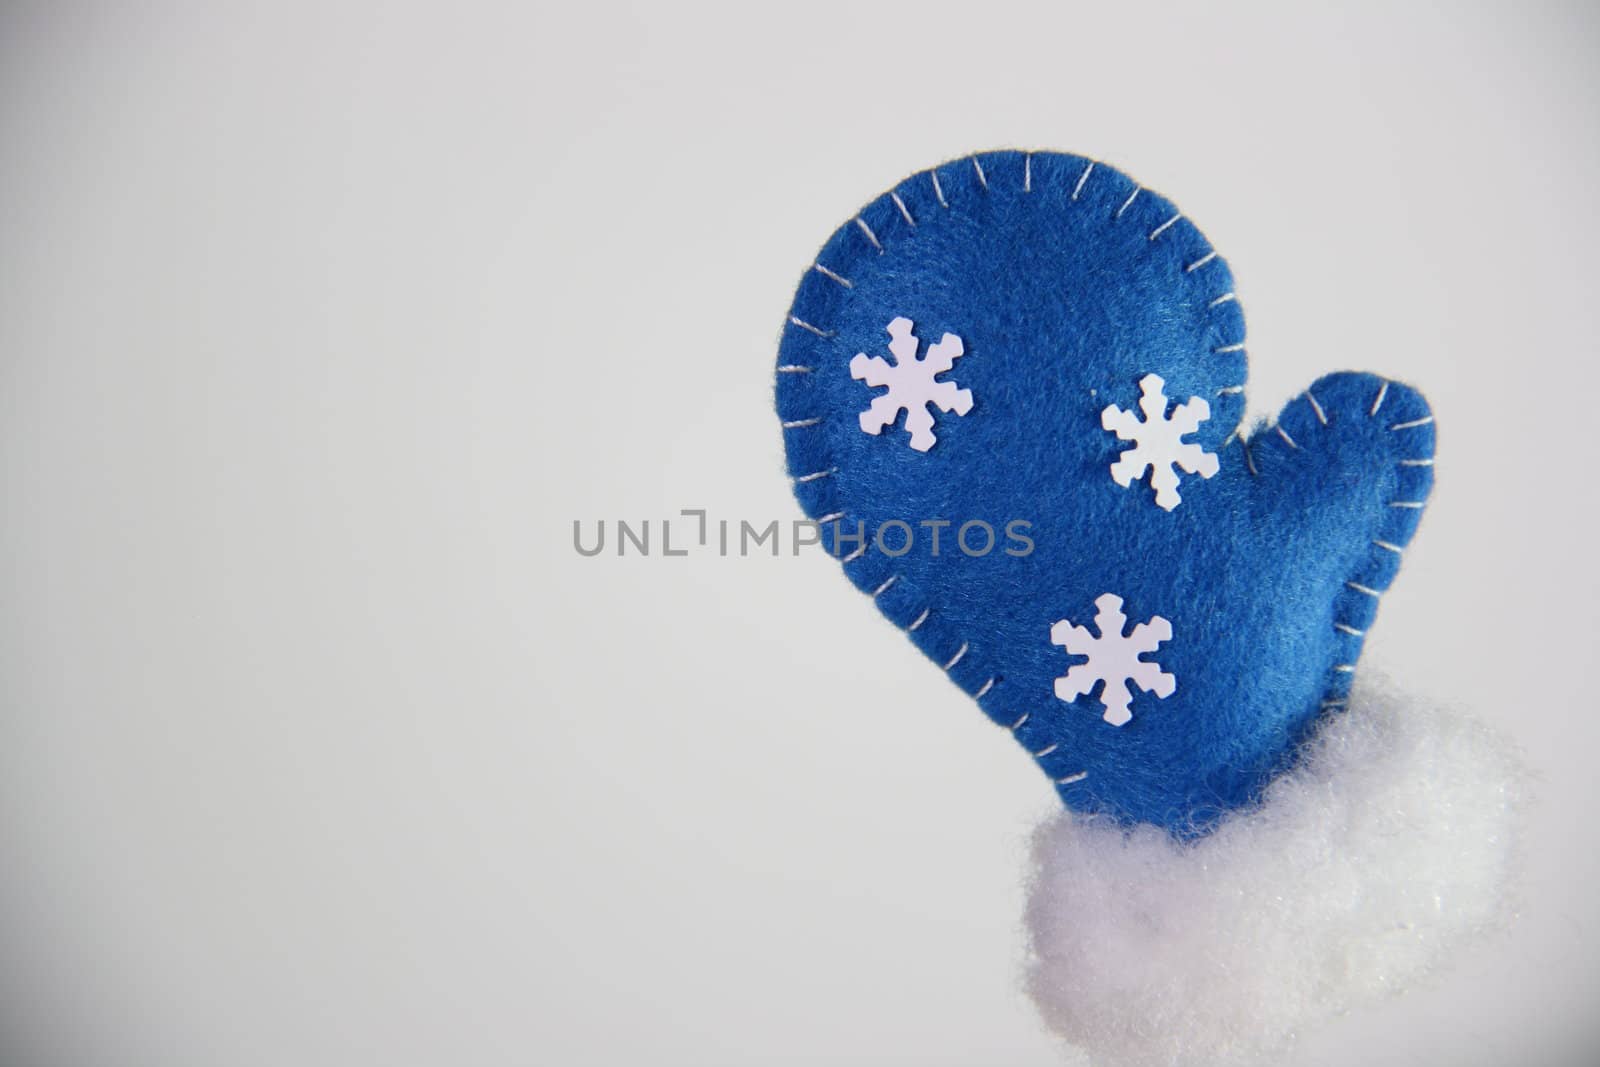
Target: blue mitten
(1011, 393)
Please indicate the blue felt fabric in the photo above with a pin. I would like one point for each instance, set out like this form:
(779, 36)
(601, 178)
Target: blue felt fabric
(1067, 283)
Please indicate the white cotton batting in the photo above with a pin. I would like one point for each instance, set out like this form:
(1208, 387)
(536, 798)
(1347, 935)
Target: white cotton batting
(1389, 844)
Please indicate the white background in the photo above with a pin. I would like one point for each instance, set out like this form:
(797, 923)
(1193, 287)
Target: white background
(319, 326)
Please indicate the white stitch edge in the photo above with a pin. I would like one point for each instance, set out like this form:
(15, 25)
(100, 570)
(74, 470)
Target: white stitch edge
(1414, 422)
(1202, 261)
(1383, 391)
(1228, 390)
(1349, 668)
(1322, 416)
(1408, 503)
(1223, 299)
(800, 424)
(840, 278)
(1076, 189)
(804, 325)
(1018, 724)
(814, 475)
(1027, 173)
(1416, 463)
(962, 651)
(868, 231)
(857, 554)
(1230, 348)
(983, 689)
(886, 584)
(937, 191)
(1159, 230)
(1285, 435)
(1069, 779)
(1126, 204)
(794, 368)
(832, 516)
(901, 204)
(1046, 750)
(919, 620)
(1248, 462)
(983, 179)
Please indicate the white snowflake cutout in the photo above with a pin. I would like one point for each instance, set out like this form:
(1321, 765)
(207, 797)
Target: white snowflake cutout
(1113, 659)
(911, 384)
(1159, 441)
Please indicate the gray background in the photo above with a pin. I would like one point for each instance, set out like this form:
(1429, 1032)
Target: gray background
(319, 326)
